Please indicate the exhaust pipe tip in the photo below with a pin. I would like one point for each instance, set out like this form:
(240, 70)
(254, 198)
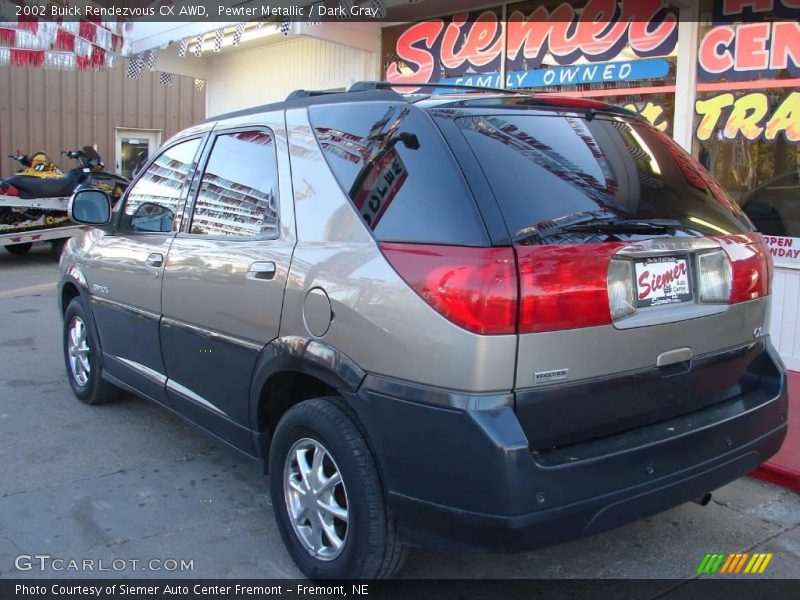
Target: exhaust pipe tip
(703, 500)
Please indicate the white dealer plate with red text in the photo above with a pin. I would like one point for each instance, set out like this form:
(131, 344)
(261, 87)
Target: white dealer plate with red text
(662, 280)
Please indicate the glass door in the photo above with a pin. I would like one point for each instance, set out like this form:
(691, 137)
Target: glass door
(134, 148)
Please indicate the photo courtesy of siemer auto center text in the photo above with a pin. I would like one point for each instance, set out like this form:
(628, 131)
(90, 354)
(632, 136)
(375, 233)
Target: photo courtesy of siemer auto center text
(463, 299)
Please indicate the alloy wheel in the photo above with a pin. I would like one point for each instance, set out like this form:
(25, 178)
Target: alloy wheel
(316, 499)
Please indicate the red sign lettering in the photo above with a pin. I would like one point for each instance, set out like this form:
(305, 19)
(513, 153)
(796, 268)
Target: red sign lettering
(599, 33)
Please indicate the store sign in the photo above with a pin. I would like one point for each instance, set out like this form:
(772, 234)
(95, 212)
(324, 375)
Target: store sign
(750, 117)
(785, 251)
(474, 42)
(755, 48)
(653, 68)
(652, 111)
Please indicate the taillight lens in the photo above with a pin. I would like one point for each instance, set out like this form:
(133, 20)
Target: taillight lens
(621, 300)
(564, 287)
(714, 276)
(475, 288)
(751, 266)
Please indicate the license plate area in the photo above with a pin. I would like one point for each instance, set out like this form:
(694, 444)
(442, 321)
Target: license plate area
(662, 280)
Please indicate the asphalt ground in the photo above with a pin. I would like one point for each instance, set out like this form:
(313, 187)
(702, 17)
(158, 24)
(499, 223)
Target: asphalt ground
(130, 481)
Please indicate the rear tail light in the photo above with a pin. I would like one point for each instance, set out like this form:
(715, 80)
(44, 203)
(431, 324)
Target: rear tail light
(714, 276)
(475, 288)
(490, 291)
(751, 266)
(621, 299)
(564, 287)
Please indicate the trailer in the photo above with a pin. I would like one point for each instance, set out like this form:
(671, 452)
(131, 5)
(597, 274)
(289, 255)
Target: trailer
(39, 220)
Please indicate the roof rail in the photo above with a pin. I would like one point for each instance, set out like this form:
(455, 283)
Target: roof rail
(363, 86)
(308, 93)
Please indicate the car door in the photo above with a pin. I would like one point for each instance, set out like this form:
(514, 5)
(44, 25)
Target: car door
(225, 277)
(125, 268)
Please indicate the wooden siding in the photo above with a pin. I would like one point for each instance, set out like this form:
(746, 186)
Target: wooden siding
(64, 110)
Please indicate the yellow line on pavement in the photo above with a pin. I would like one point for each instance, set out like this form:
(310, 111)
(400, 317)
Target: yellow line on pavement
(26, 291)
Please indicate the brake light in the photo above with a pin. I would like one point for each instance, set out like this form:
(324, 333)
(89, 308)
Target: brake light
(564, 287)
(475, 288)
(751, 266)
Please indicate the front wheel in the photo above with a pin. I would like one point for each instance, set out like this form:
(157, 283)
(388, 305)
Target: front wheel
(328, 498)
(82, 357)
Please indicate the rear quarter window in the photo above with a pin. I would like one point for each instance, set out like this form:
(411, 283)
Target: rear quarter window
(399, 173)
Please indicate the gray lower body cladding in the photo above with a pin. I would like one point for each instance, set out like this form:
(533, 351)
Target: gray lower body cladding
(468, 480)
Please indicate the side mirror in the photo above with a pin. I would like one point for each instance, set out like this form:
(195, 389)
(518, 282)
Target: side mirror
(89, 206)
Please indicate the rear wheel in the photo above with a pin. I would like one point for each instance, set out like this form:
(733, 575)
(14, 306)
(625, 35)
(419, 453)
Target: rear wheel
(19, 249)
(328, 498)
(82, 357)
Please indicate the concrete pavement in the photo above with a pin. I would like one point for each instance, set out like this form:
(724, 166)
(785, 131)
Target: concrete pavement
(131, 481)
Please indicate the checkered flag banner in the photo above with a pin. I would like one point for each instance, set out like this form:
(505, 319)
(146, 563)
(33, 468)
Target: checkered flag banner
(237, 34)
(198, 45)
(151, 59)
(183, 47)
(219, 34)
(285, 25)
(135, 65)
(199, 84)
(379, 8)
(165, 79)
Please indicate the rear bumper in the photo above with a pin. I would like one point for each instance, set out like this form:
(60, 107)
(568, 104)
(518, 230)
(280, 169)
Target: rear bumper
(466, 480)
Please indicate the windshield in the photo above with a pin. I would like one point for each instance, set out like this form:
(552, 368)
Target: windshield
(553, 172)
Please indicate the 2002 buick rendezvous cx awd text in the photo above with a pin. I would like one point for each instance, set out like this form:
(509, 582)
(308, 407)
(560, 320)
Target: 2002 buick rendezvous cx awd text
(473, 321)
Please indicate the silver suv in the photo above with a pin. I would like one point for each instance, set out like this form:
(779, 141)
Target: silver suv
(473, 321)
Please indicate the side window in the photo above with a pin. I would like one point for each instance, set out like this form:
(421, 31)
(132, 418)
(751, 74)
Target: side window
(155, 202)
(399, 173)
(239, 191)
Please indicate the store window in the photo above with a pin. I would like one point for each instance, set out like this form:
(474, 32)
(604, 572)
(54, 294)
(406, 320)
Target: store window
(747, 116)
(239, 192)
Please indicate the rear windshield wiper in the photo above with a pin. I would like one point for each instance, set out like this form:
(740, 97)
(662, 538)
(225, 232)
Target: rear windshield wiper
(600, 225)
(624, 226)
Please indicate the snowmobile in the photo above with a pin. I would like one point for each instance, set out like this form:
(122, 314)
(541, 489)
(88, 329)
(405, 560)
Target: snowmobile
(40, 182)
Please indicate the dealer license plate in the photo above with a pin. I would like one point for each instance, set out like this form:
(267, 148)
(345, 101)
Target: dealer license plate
(663, 280)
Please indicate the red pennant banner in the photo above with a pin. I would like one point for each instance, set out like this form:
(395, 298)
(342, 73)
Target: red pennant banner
(25, 58)
(65, 40)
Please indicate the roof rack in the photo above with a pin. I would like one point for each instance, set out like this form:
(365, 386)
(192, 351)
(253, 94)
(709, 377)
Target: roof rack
(363, 86)
(309, 93)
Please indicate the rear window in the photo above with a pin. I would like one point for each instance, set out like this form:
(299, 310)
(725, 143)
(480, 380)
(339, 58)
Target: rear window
(397, 170)
(553, 171)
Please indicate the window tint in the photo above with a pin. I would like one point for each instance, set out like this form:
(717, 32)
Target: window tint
(155, 202)
(239, 192)
(552, 171)
(399, 173)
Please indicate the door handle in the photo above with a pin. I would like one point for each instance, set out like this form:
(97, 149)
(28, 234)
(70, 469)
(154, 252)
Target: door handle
(263, 271)
(155, 260)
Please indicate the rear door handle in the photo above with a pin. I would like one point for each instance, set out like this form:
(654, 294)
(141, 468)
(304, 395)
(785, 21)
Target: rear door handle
(155, 260)
(262, 271)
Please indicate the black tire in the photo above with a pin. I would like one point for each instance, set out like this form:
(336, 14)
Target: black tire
(371, 550)
(95, 390)
(19, 249)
